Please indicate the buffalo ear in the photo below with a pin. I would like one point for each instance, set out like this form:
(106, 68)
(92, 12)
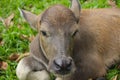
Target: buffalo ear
(30, 18)
(76, 8)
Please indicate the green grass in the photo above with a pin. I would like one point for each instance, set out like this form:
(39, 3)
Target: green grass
(13, 43)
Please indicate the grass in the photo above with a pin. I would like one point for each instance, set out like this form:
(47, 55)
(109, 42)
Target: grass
(11, 35)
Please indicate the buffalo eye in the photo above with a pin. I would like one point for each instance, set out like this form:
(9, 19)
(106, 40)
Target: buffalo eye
(74, 33)
(44, 33)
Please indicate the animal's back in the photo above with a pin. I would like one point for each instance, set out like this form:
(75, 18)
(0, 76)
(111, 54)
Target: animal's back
(104, 26)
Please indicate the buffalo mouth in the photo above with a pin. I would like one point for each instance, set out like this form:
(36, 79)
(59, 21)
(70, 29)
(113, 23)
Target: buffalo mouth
(62, 67)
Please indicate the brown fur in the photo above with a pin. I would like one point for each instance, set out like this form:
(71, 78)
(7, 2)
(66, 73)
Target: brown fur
(98, 44)
(99, 41)
(95, 47)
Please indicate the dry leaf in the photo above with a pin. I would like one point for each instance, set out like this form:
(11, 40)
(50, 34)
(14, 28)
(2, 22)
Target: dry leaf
(31, 38)
(8, 21)
(115, 78)
(118, 66)
(1, 43)
(22, 56)
(13, 57)
(24, 37)
(19, 26)
(1, 19)
(30, 6)
(112, 3)
(3, 65)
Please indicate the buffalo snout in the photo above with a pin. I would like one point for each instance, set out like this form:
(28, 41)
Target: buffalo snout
(62, 65)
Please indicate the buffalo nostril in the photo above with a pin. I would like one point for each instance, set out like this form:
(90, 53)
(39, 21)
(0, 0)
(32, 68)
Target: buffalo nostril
(69, 65)
(63, 65)
(57, 65)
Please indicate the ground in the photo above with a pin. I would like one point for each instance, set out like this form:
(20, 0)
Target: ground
(15, 33)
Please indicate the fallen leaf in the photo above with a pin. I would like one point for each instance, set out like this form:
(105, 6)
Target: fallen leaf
(27, 38)
(30, 6)
(115, 78)
(24, 37)
(1, 43)
(22, 56)
(8, 21)
(1, 19)
(19, 26)
(118, 66)
(31, 38)
(13, 57)
(3, 65)
(112, 3)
